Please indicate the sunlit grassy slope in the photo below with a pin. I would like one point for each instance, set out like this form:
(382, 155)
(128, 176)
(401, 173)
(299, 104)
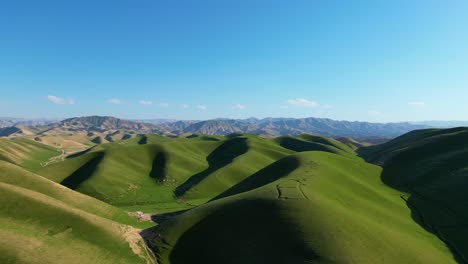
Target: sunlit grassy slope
(25, 152)
(152, 171)
(44, 222)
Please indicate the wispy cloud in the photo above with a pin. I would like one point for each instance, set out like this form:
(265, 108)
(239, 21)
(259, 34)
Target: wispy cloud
(184, 106)
(143, 102)
(115, 101)
(163, 104)
(417, 104)
(57, 100)
(238, 106)
(301, 102)
(202, 107)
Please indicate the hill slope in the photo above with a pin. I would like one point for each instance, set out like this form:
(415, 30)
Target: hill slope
(431, 165)
(241, 198)
(43, 222)
(325, 209)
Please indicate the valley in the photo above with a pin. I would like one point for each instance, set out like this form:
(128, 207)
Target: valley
(239, 198)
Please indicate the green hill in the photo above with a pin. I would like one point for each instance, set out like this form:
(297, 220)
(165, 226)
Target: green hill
(325, 208)
(432, 166)
(25, 152)
(43, 222)
(151, 171)
(238, 198)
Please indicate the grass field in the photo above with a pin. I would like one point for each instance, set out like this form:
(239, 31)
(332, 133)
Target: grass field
(236, 199)
(44, 222)
(325, 208)
(432, 166)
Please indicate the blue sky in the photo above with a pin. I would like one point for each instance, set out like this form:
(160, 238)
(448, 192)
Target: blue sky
(347, 60)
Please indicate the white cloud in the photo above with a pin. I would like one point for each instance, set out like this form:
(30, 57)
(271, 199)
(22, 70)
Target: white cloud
(143, 102)
(418, 104)
(115, 101)
(301, 102)
(238, 106)
(184, 106)
(57, 100)
(201, 107)
(163, 104)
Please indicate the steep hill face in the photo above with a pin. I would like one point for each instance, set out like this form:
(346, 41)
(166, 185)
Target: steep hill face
(432, 166)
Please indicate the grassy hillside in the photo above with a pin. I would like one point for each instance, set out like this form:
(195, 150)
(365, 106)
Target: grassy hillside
(43, 222)
(26, 153)
(153, 172)
(238, 198)
(325, 208)
(431, 165)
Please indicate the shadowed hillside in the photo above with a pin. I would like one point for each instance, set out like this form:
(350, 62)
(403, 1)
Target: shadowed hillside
(432, 166)
(220, 157)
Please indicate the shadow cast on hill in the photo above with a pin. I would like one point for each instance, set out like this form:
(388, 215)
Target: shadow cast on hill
(143, 140)
(247, 231)
(158, 169)
(219, 158)
(431, 208)
(300, 145)
(269, 174)
(77, 154)
(151, 236)
(83, 173)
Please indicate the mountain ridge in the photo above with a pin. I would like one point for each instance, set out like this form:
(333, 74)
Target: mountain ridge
(272, 127)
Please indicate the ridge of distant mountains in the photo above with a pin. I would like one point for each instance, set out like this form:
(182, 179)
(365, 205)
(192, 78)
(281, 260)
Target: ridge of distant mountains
(221, 126)
(10, 121)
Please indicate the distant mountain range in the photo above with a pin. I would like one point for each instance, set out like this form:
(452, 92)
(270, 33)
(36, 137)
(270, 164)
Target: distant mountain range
(442, 124)
(10, 121)
(267, 127)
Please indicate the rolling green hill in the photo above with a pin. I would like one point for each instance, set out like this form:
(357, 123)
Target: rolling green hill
(44, 222)
(240, 198)
(25, 152)
(432, 166)
(324, 208)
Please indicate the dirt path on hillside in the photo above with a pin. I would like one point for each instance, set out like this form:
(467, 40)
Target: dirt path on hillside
(138, 245)
(55, 159)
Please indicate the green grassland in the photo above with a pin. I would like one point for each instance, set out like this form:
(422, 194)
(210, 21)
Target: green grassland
(26, 153)
(325, 208)
(237, 199)
(432, 166)
(44, 222)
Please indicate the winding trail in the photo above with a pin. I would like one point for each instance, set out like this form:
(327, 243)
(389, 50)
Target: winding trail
(55, 159)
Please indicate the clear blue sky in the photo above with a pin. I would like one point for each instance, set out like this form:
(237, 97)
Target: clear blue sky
(348, 60)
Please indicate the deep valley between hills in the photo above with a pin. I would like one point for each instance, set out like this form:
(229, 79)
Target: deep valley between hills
(113, 196)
